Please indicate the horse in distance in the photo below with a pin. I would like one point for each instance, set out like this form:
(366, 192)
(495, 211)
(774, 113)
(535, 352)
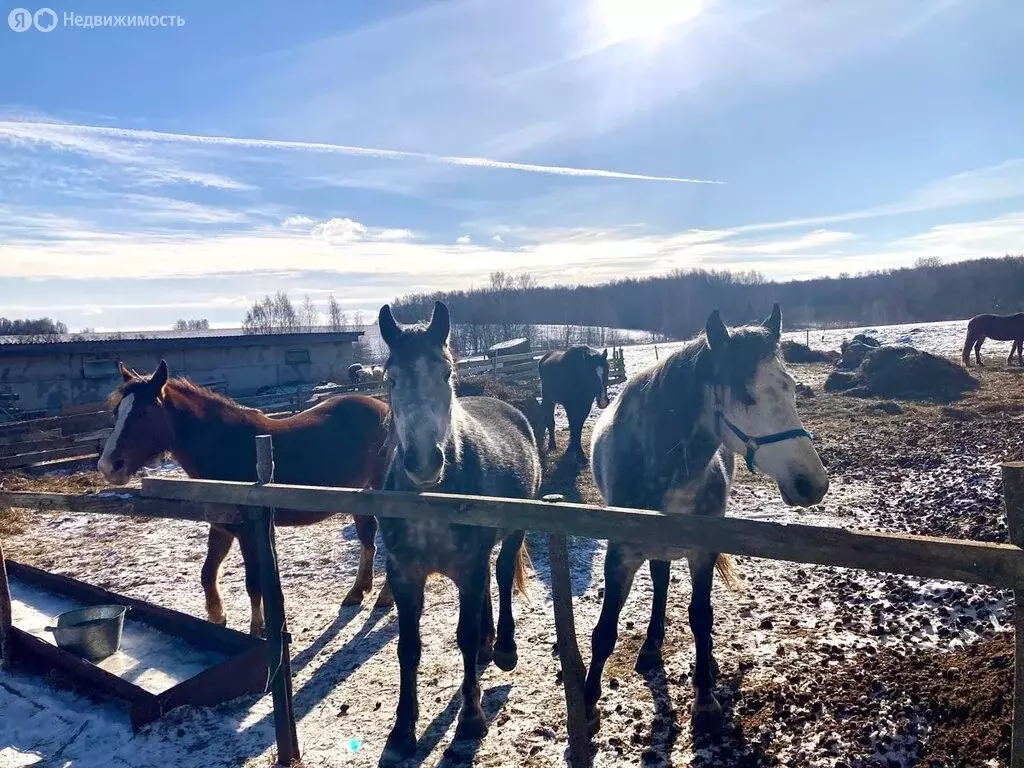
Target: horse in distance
(667, 442)
(998, 327)
(465, 445)
(339, 442)
(576, 378)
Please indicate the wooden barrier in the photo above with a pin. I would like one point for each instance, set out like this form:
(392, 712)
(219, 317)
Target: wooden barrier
(1000, 565)
(64, 439)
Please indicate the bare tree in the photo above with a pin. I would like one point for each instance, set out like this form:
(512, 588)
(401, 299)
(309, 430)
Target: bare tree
(201, 324)
(271, 314)
(309, 315)
(336, 319)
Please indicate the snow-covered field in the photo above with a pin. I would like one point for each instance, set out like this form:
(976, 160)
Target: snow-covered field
(790, 618)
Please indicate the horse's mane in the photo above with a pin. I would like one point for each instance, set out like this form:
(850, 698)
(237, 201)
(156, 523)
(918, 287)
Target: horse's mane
(681, 377)
(201, 401)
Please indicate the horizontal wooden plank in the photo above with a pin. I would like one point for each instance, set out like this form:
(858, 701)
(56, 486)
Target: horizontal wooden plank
(1000, 565)
(36, 457)
(68, 424)
(121, 503)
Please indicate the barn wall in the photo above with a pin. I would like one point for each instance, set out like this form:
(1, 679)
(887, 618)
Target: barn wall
(52, 381)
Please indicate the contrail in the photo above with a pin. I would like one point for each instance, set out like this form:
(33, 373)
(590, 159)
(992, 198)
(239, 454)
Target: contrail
(50, 131)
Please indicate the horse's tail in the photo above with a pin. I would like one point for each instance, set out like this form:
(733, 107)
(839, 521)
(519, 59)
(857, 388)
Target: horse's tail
(519, 577)
(971, 338)
(730, 574)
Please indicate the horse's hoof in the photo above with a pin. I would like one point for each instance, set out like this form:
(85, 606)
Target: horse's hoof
(401, 745)
(258, 630)
(472, 728)
(506, 659)
(593, 721)
(648, 660)
(707, 716)
(354, 597)
(220, 621)
(385, 598)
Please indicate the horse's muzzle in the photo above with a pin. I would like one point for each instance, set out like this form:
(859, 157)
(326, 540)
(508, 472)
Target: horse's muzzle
(423, 467)
(114, 472)
(803, 491)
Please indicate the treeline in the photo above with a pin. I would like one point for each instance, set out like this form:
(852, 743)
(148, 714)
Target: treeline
(42, 327)
(677, 304)
(277, 314)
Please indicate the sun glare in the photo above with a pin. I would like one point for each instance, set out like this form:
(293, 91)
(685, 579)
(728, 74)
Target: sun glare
(629, 19)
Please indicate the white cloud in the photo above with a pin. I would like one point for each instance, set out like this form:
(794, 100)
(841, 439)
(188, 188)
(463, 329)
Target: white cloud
(463, 240)
(298, 222)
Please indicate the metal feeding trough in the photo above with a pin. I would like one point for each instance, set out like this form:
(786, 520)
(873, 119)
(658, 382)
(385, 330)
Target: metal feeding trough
(94, 633)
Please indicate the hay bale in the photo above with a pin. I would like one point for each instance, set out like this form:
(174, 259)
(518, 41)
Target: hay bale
(840, 382)
(868, 341)
(795, 352)
(908, 374)
(854, 353)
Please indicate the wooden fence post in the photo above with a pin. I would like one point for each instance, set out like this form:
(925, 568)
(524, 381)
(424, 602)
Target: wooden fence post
(5, 613)
(1013, 497)
(279, 665)
(573, 671)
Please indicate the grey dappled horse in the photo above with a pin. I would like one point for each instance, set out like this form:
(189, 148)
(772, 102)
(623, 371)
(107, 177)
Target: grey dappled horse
(668, 443)
(469, 445)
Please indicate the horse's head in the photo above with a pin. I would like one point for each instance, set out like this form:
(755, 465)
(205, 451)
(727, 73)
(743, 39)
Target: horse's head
(142, 427)
(755, 408)
(419, 375)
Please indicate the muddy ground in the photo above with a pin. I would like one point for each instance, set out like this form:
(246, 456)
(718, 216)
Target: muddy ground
(820, 666)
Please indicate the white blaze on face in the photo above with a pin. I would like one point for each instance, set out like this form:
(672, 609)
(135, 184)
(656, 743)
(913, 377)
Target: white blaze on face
(602, 398)
(106, 462)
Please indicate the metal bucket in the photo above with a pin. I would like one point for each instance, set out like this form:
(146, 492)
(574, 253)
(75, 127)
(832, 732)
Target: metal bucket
(93, 633)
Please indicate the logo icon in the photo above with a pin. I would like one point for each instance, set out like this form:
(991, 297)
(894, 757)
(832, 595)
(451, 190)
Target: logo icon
(20, 19)
(45, 19)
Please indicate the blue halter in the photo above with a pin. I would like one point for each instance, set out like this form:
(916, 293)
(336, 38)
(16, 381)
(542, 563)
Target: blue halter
(753, 443)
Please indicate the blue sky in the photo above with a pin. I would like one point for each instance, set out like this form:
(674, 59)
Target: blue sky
(377, 148)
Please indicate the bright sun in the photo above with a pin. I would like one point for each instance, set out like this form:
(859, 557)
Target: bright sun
(628, 19)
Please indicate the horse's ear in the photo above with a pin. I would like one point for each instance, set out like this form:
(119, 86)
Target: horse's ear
(126, 373)
(605, 354)
(159, 377)
(774, 323)
(717, 333)
(389, 330)
(440, 324)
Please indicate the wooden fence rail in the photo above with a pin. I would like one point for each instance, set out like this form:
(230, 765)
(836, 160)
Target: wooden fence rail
(999, 565)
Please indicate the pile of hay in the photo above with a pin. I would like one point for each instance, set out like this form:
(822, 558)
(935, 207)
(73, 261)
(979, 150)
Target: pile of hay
(854, 352)
(795, 352)
(523, 395)
(904, 373)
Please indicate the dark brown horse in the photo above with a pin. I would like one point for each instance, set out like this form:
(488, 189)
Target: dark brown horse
(998, 327)
(339, 442)
(465, 445)
(575, 378)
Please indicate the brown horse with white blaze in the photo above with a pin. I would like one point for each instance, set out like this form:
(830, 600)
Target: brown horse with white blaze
(339, 442)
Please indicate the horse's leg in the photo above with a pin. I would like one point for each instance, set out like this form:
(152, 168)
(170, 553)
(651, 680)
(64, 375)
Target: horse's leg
(620, 566)
(472, 724)
(506, 655)
(1013, 348)
(576, 413)
(257, 624)
(707, 712)
(217, 547)
(366, 531)
(408, 592)
(485, 654)
(548, 406)
(650, 653)
(977, 350)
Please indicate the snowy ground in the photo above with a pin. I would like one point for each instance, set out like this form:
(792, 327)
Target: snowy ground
(791, 622)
